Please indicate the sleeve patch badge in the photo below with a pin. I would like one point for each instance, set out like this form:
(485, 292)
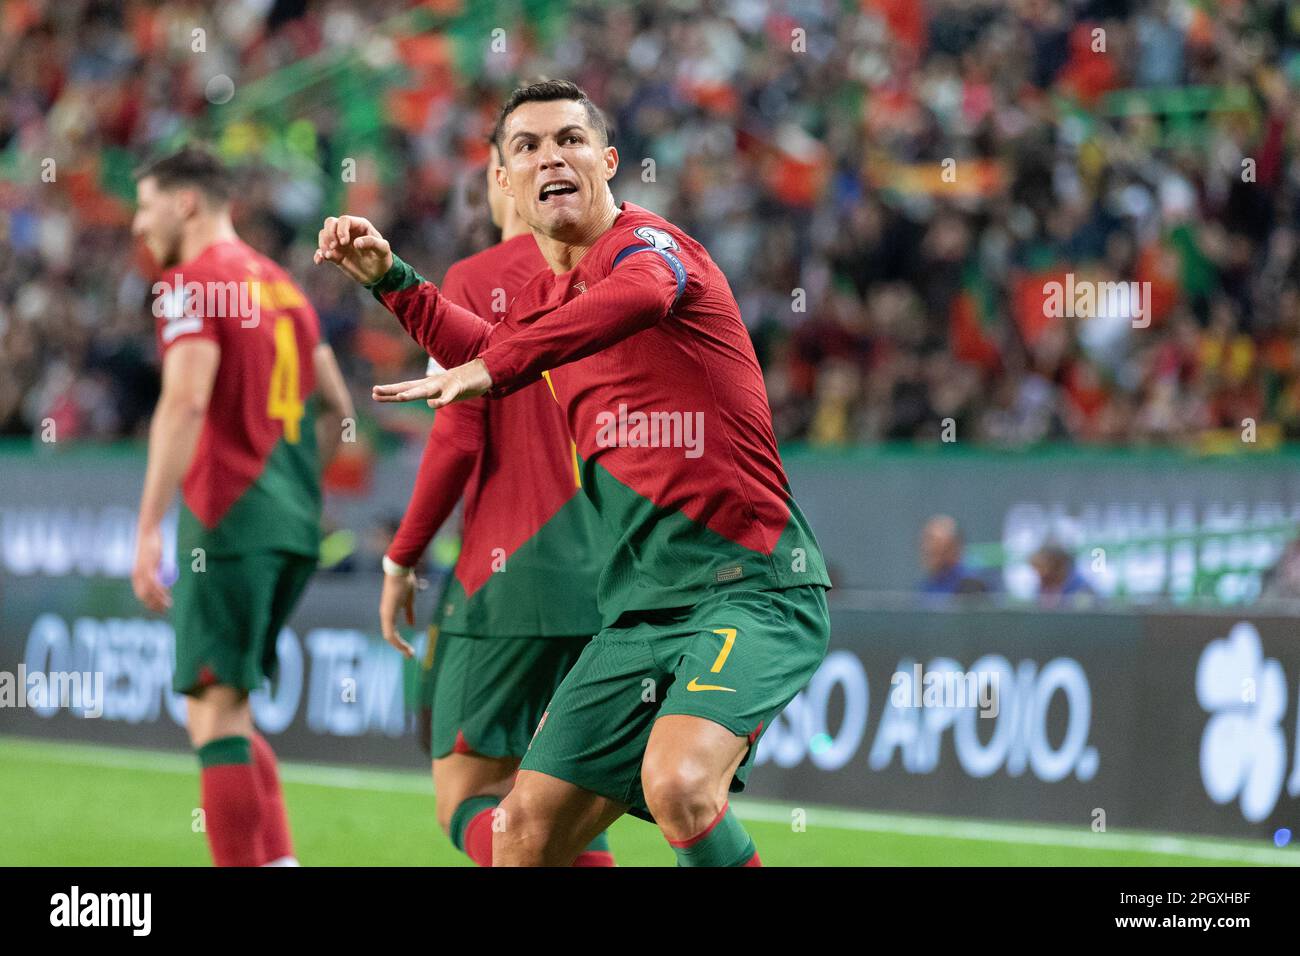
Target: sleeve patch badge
(656, 238)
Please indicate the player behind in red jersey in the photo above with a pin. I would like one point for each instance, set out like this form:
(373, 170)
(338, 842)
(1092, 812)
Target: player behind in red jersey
(713, 598)
(508, 626)
(252, 403)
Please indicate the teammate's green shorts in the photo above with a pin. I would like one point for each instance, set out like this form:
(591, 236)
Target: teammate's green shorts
(736, 659)
(228, 615)
(488, 693)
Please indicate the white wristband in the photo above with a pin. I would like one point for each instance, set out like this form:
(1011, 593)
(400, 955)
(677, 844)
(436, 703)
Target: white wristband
(393, 569)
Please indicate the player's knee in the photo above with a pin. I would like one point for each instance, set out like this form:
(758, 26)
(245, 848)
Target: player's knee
(519, 814)
(681, 791)
(218, 712)
(522, 826)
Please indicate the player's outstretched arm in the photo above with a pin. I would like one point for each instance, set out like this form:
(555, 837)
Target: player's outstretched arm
(449, 333)
(630, 299)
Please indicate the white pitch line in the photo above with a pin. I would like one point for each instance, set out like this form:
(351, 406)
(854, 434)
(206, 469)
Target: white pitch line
(161, 761)
(759, 811)
(1022, 833)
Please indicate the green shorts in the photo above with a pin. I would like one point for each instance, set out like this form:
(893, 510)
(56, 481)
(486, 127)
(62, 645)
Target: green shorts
(227, 617)
(487, 694)
(736, 659)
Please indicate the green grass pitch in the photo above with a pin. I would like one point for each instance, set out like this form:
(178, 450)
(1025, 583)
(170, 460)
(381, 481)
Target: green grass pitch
(70, 804)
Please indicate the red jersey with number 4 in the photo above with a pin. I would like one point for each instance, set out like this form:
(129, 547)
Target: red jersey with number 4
(254, 483)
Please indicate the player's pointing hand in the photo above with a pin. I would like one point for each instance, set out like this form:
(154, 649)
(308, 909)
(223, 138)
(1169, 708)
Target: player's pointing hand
(465, 381)
(355, 246)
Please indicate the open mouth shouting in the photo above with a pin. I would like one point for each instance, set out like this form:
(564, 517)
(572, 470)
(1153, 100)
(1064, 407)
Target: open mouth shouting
(556, 188)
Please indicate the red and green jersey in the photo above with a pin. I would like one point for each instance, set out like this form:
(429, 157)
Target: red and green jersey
(530, 557)
(664, 397)
(254, 483)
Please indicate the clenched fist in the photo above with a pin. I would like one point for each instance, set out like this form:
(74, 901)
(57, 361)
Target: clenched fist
(356, 247)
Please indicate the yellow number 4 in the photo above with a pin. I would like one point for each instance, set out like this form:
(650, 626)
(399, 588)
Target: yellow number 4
(282, 402)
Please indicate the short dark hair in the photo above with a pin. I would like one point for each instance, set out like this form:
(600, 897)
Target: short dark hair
(191, 165)
(544, 92)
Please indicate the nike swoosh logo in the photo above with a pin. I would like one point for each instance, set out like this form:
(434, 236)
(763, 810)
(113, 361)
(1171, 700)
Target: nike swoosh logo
(694, 686)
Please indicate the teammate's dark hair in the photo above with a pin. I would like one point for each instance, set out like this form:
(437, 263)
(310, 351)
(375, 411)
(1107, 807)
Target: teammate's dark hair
(546, 91)
(191, 165)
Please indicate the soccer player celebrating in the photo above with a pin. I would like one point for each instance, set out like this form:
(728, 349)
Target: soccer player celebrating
(252, 401)
(713, 598)
(507, 629)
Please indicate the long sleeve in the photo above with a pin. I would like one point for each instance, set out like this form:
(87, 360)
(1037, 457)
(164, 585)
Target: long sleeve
(631, 298)
(454, 445)
(449, 333)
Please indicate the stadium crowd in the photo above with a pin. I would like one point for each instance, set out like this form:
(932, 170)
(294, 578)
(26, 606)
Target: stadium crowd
(888, 184)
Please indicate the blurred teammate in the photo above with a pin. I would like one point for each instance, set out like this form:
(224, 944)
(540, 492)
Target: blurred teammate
(512, 620)
(713, 598)
(252, 403)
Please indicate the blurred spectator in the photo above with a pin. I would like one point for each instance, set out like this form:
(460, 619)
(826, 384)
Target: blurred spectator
(941, 557)
(1059, 582)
